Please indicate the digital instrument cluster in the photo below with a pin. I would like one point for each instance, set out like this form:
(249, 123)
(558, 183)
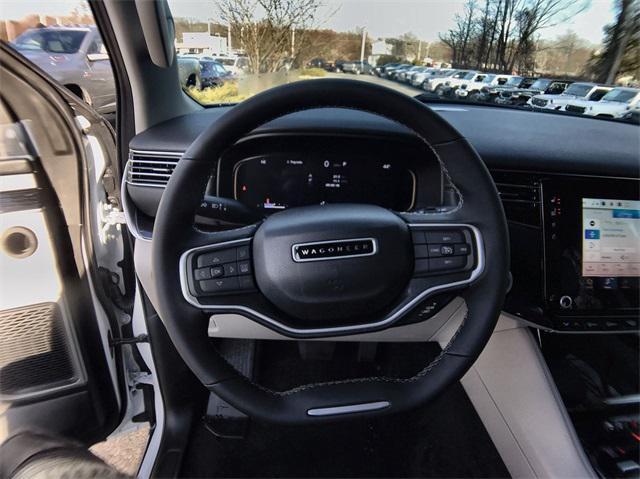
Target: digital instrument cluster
(276, 182)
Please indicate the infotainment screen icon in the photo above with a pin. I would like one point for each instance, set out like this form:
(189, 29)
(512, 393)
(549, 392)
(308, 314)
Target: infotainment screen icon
(610, 238)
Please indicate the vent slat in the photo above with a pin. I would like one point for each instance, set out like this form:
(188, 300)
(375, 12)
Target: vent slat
(146, 170)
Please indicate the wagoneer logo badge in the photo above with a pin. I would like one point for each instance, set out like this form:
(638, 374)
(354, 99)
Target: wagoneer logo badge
(335, 249)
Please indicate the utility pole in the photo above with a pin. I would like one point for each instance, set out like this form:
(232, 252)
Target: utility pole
(364, 41)
(419, 51)
(293, 42)
(229, 38)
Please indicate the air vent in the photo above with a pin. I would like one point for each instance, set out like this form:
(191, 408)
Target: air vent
(521, 197)
(150, 169)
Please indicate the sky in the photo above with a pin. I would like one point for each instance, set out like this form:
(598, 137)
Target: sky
(381, 18)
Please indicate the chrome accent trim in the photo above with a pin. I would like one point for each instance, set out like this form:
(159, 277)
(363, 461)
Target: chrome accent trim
(177, 154)
(168, 157)
(630, 399)
(348, 409)
(297, 259)
(475, 274)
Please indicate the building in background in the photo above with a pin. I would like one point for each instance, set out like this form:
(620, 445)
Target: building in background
(378, 48)
(202, 43)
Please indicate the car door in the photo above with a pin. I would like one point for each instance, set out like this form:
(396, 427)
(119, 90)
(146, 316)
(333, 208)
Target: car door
(64, 304)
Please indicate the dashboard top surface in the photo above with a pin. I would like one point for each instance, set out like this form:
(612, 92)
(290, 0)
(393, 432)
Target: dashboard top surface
(506, 138)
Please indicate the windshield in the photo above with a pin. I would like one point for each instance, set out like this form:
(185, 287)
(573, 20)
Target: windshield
(623, 96)
(578, 89)
(478, 51)
(540, 84)
(50, 40)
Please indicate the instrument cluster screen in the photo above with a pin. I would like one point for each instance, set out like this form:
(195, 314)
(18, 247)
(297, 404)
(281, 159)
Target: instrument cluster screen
(278, 182)
(610, 238)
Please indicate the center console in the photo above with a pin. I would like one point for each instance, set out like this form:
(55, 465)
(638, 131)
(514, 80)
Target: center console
(592, 252)
(575, 251)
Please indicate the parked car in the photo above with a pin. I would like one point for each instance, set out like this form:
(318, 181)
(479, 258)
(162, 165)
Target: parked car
(405, 75)
(189, 71)
(213, 74)
(472, 90)
(520, 96)
(357, 67)
(420, 78)
(234, 64)
(438, 84)
(489, 94)
(380, 70)
(389, 71)
(76, 58)
(393, 74)
(615, 104)
(575, 91)
(450, 85)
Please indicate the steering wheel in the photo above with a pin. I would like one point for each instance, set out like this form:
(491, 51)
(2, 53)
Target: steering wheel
(327, 270)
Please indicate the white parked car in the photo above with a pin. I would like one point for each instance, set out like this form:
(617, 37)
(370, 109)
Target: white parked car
(615, 104)
(234, 64)
(473, 89)
(576, 91)
(441, 84)
(420, 78)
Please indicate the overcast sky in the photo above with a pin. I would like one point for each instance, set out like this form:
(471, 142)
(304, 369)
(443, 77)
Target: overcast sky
(382, 18)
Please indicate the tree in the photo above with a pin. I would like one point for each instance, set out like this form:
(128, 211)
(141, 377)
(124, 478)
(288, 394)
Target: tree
(503, 35)
(271, 32)
(621, 53)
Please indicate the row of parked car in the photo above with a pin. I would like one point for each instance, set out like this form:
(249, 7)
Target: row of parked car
(76, 58)
(608, 101)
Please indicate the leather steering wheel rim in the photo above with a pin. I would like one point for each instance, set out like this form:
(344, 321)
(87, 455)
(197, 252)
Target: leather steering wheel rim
(174, 232)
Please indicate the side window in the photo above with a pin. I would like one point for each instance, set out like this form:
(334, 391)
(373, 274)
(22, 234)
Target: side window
(97, 47)
(597, 95)
(66, 45)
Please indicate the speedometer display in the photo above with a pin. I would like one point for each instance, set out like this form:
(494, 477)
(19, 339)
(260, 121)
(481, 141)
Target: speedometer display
(278, 182)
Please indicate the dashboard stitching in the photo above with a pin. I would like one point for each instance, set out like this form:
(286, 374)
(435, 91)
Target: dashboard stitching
(423, 372)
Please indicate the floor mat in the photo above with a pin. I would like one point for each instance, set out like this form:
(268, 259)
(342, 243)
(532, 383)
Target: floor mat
(444, 439)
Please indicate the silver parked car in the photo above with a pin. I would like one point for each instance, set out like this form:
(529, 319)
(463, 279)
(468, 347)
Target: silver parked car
(76, 58)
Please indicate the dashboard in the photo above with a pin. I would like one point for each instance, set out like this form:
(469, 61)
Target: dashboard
(569, 187)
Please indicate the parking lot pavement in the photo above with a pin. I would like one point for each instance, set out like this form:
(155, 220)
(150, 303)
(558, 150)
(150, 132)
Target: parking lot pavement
(401, 87)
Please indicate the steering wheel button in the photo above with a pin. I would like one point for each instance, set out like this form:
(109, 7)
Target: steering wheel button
(435, 250)
(216, 258)
(217, 271)
(420, 251)
(202, 273)
(219, 285)
(418, 237)
(447, 263)
(444, 237)
(231, 269)
(246, 283)
(446, 250)
(422, 266)
(244, 267)
(461, 249)
(242, 253)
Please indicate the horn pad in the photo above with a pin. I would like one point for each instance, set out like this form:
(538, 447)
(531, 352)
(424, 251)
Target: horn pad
(332, 262)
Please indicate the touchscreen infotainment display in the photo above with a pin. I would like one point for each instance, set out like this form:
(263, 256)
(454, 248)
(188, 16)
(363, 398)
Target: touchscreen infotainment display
(610, 238)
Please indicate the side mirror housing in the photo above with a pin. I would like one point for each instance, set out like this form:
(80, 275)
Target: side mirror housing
(95, 57)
